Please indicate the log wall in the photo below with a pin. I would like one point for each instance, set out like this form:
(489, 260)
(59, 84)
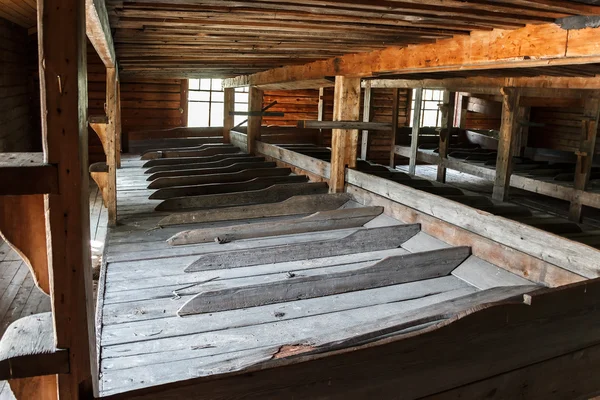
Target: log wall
(19, 90)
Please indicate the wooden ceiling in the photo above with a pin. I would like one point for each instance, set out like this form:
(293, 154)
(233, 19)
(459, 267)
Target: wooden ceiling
(222, 38)
(21, 12)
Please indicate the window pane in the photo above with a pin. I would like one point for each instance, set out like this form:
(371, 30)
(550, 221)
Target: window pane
(238, 119)
(204, 84)
(194, 84)
(241, 107)
(198, 114)
(429, 118)
(199, 96)
(241, 90)
(241, 98)
(218, 97)
(216, 84)
(216, 114)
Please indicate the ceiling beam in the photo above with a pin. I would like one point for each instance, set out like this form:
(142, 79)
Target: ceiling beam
(531, 46)
(98, 31)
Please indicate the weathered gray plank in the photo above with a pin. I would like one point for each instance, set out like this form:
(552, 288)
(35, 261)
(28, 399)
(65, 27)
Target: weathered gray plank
(292, 206)
(271, 194)
(233, 167)
(387, 272)
(204, 150)
(483, 275)
(170, 164)
(219, 188)
(360, 241)
(238, 176)
(319, 221)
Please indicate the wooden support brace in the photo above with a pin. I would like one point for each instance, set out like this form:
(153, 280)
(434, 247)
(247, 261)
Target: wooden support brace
(416, 125)
(585, 155)
(395, 113)
(508, 129)
(255, 100)
(26, 173)
(447, 109)
(228, 119)
(99, 173)
(367, 103)
(344, 142)
(99, 124)
(321, 115)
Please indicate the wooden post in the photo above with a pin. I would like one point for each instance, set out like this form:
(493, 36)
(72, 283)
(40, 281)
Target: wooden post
(255, 100)
(183, 101)
(321, 115)
(118, 127)
(364, 148)
(416, 124)
(508, 133)
(395, 112)
(523, 132)
(447, 109)
(111, 141)
(585, 155)
(228, 120)
(63, 95)
(344, 142)
(464, 111)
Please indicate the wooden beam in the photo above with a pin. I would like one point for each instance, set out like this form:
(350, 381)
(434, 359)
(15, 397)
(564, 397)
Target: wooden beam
(98, 31)
(395, 113)
(416, 125)
(344, 142)
(258, 113)
(391, 270)
(228, 119)
(255, 103)
(447, 125)
(26, 173)
(63, 93)
(530, 46)
(585, 155)
(367, 103)
(508, 133)
(111, 144)
(345, 125)
(321, 114)
(118, 126)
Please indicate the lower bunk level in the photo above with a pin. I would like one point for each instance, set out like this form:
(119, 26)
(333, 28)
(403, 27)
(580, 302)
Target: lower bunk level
(272, 288)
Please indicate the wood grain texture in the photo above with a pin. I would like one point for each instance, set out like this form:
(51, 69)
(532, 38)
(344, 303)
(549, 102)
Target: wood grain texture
(389, 271)
(26, 173)
(239, 176)
(319, 221)
(181, 161)
(360, 241)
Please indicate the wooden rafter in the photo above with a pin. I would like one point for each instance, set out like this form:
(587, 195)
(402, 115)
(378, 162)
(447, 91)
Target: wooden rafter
(98, 31)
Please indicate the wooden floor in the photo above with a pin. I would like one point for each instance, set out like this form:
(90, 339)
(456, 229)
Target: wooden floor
(143, 284)
(19, 297)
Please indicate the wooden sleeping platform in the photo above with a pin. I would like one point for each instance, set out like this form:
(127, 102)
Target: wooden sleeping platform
(235, 276)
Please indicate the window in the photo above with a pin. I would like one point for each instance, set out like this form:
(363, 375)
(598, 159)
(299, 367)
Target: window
(430, 111)
(206, 103)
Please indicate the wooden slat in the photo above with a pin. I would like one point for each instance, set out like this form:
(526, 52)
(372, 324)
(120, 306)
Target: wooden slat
(361, 241)
(375, 126)
(239, 176)
(197, 161)
(319, 221)
(26, 173)
(228, 167)
(389, 271)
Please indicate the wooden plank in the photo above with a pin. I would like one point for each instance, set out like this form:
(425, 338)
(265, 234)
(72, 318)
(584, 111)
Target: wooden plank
(395, 113)
(387, 272)
(508, 133)
(197, 162)
(221, 188)
(98, 32)
(205, 150)
(319, 221)
(239, 176)
(228, 119)
(346, 125)
(585, 155)
(26, 173)
(358, 242)
(292, 206)
(483, 275)
(344, 142)
(189, 170)
(63, 93)
(27, 349)
(448, 110)
(255, 103)
(271, 194)
(416, 124)
(110, 191)
(367, 104)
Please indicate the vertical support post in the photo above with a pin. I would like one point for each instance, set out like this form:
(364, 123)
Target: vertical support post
(523, 132)
(321, 115)
(118, 127)
(183, 101)
(255, 103)
(367, 102)
(416, 124)
(464, 111)
(508, 133)
(63, 98)
(447, 124)
(228, 119)
(344, 142)
(585, 155)
(111, 144)
(395, 113)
